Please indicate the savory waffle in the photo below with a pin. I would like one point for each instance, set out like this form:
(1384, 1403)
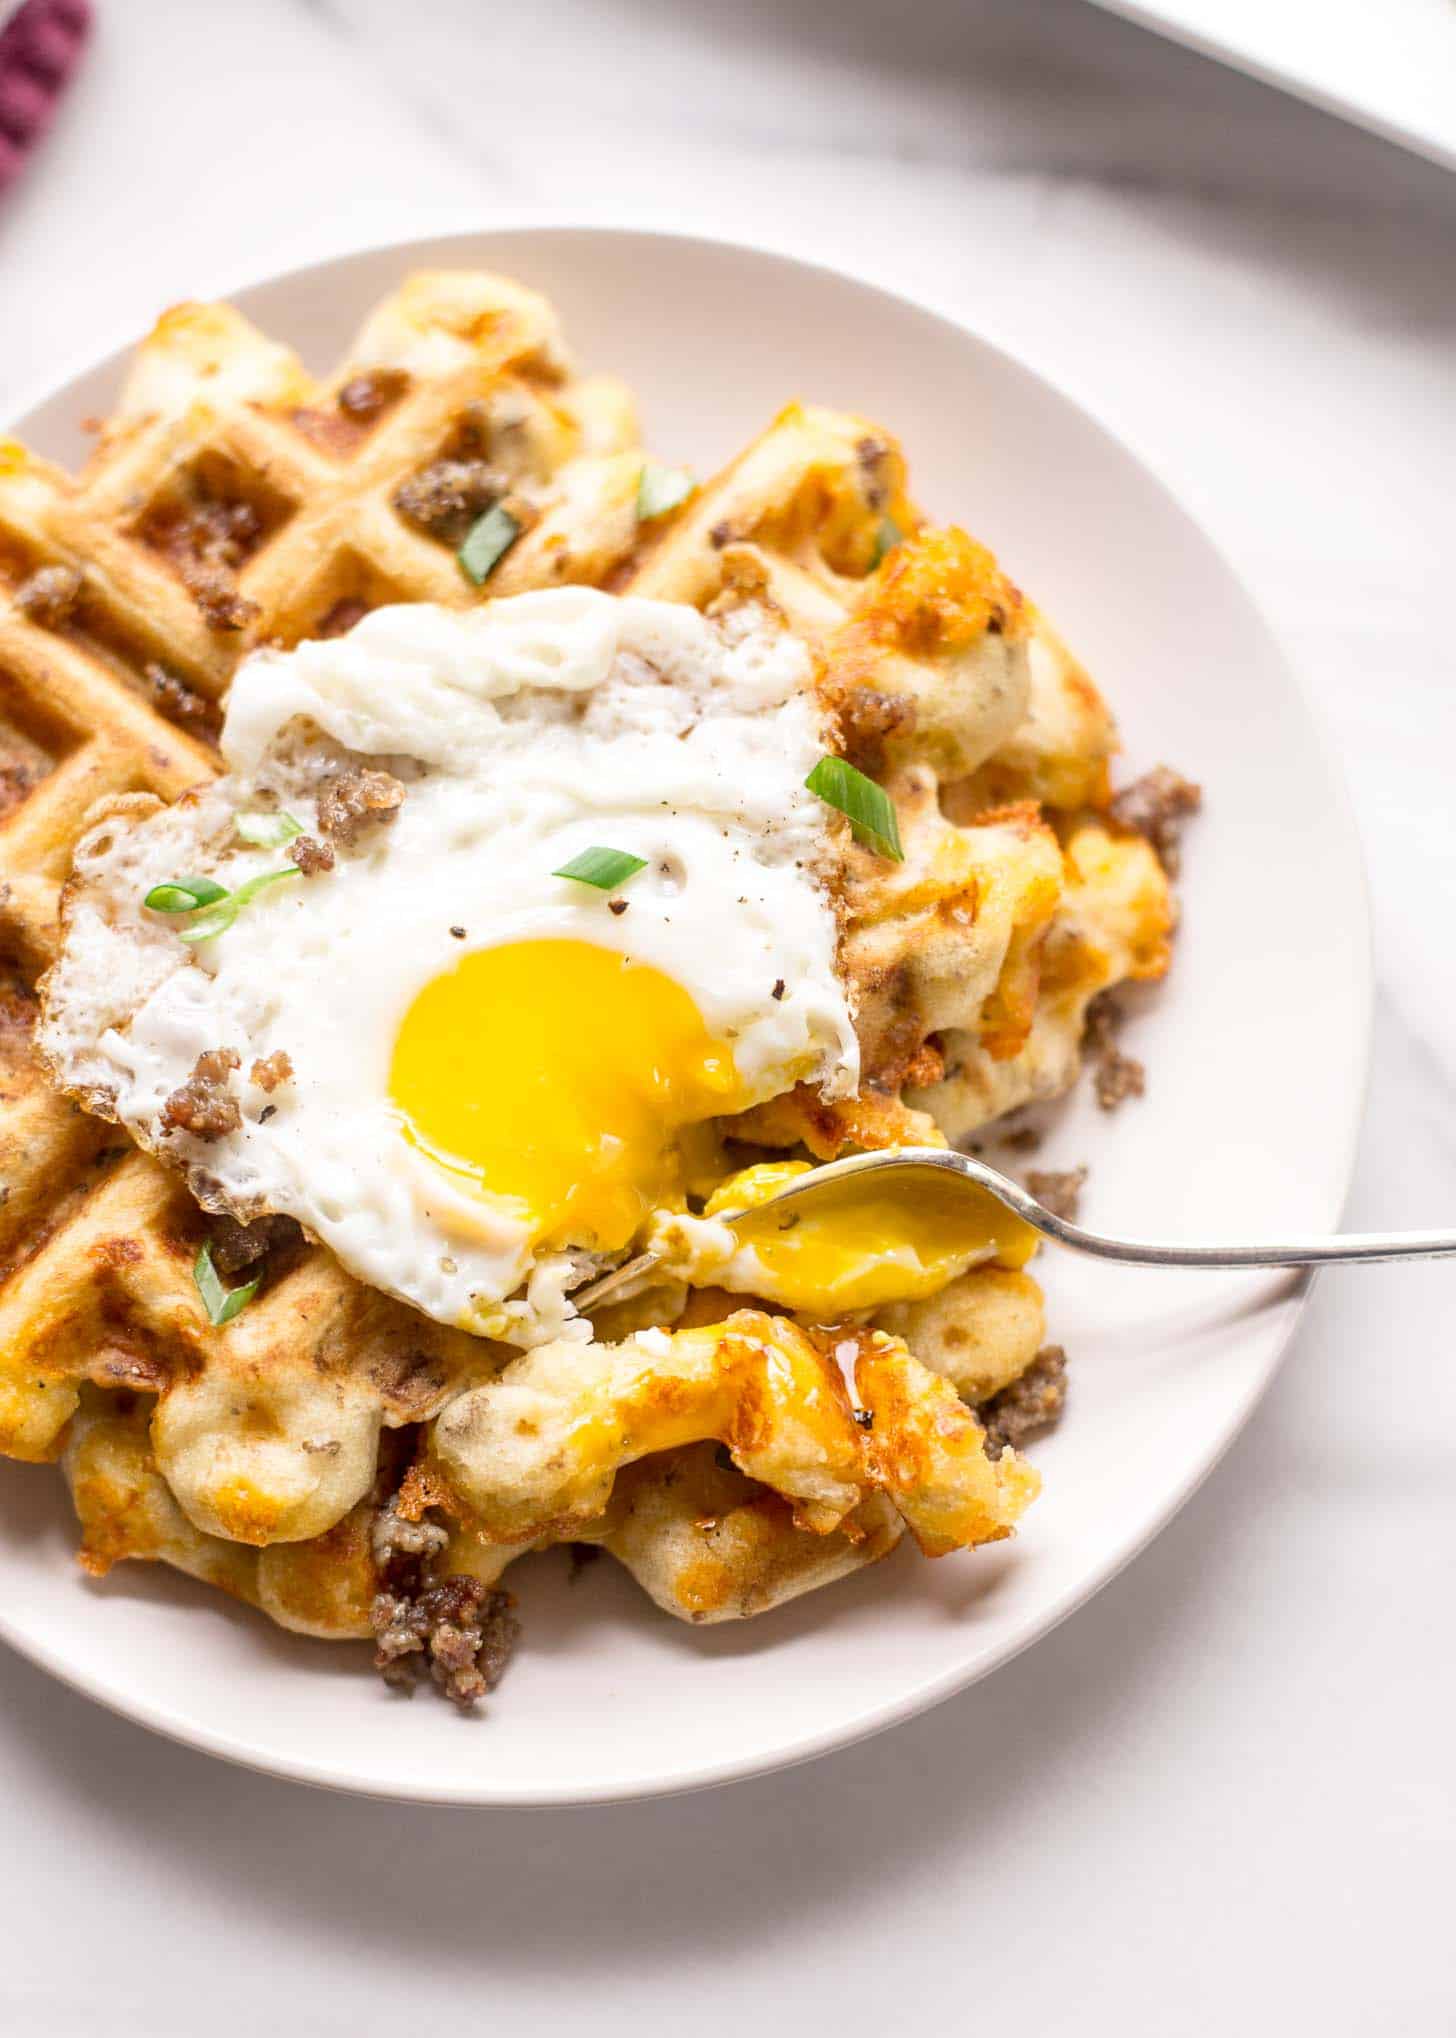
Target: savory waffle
(233, 502)
(1019, 900)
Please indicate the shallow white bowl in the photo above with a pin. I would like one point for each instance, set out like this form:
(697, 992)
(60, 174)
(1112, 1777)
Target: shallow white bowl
(1256, 1050)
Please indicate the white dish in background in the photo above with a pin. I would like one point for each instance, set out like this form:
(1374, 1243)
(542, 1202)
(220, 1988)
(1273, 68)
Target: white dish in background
(1390, 66)
(1256, 1051)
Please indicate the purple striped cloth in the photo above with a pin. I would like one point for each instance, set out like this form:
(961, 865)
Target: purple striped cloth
(39, 48)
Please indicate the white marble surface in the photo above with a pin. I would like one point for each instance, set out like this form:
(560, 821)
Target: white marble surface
(1219, 1797)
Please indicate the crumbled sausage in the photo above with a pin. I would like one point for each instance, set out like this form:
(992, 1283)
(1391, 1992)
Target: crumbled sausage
(1059, 1190)
(204, 1105)
(226, 531)
(176, 700)
(446, 497)
(353, 798)
(1029, 1405)
(16, 779)
(50, 594)
(215, 592)
(357, 406)
(207, 542)
(397, 1536)
(872, 456)
(310, 856)
(1157, 806)
(235, 1246)
(464, 1630)
(1104, 1016)
(271, 1070)
(1117, 1076)
(340, 619)
(364, 396)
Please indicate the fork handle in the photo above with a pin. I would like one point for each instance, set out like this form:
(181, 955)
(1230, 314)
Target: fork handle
(1322, 1250)
(1366, 1247)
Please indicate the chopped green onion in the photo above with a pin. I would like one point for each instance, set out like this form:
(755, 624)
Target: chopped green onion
(868, 807)
(227, 910)
(604, 868)
(660, 489)
(887, 537)
(216, 922)
(251, 889)
(222, 1304)
(183, 895)
(489, 539)
(268, 831)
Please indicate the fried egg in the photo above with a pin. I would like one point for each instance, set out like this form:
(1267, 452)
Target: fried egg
(475, 1079)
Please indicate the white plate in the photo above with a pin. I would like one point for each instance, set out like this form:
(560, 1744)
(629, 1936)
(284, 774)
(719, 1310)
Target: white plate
(1256, 1050)
(1389, 65)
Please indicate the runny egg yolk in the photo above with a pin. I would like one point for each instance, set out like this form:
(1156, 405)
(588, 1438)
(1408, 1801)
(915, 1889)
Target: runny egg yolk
(556, 1076)
(857, 1246)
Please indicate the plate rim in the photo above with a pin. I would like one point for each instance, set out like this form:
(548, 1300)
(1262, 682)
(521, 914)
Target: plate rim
(1291, 1299)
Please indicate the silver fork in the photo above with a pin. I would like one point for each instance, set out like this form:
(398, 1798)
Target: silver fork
(903, 1166)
